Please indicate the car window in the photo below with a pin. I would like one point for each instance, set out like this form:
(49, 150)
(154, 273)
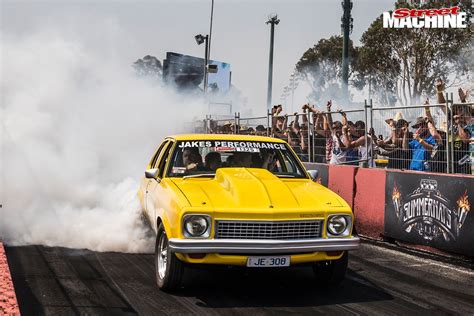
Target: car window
(156, 165)
(154, 159)
(204, 157)
(164, 159)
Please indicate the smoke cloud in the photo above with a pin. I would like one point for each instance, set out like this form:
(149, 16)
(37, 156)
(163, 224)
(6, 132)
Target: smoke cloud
(77, 130)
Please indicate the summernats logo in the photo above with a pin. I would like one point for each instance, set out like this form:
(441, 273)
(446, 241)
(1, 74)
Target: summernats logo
(425, 18)
(427, 212)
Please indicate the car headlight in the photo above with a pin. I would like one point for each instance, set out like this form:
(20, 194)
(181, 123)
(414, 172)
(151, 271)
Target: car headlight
(197, 226)
(339, 225)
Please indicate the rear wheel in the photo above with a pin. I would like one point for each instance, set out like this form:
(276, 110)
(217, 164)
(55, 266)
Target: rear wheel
(332, 272)
(168, 268)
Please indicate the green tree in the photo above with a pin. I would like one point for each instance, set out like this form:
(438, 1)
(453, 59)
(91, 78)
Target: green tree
(321, 67)
(404, 63)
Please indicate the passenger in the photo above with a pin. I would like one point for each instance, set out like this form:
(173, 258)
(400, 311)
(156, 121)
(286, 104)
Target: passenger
(192, 160)
(213, 161)
(269, 161)
(242, 159)
(257, 160)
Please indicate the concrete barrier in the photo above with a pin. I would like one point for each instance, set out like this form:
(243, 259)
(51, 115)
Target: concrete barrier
(427, 210)
(8, 301)
(369, 202)
(341, 181)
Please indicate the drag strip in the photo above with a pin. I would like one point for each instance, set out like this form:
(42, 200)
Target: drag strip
(380, 281)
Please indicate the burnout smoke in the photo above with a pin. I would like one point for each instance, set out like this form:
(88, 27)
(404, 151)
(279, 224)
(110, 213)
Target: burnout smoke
(77, 129)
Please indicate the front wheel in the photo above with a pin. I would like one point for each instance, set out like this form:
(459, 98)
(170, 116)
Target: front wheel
(168, 268)
(332, 272)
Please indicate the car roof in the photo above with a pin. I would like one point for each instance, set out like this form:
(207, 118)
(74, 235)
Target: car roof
(231, 137)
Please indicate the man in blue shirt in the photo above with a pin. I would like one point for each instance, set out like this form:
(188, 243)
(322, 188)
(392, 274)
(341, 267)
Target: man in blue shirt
(421, 145)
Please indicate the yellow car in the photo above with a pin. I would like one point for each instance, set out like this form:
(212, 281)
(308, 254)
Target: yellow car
(244, 201)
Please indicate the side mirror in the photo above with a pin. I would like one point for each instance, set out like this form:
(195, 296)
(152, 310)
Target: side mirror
(151, 174)
(313, 174)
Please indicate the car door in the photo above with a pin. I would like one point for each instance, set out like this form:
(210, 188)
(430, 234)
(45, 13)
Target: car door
(144, 183)
(156, 196)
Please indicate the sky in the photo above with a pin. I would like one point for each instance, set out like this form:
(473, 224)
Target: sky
(133, 29)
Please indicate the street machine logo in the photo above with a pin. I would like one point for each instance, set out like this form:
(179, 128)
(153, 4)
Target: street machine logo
(428, 213)
(425, 18)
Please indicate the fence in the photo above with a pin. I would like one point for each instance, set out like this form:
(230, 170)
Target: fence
(370, 136)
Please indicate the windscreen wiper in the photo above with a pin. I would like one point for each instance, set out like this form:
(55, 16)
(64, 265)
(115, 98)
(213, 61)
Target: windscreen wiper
(201, 175)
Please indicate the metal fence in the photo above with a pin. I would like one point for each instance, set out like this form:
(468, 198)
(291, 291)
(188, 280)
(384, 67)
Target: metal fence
(433, 138)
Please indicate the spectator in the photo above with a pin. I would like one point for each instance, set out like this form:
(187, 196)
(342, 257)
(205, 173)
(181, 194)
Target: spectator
(352, 153)
(260, 130)
(337, 147)
(295, 137)
(391, 147)
(421, 145)
(279, 123)
(319, 137)
(363, 143)
(461, 138)
(437, 156)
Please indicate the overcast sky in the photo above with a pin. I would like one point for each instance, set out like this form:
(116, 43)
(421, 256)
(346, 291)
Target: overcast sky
(240, 36)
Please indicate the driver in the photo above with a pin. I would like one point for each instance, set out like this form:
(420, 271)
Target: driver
(192, 159)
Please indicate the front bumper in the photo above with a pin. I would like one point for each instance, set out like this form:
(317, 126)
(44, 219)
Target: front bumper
(243, 246)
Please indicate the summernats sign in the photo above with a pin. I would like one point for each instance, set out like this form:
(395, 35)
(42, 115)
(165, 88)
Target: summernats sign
(430, 210)
(425, 18)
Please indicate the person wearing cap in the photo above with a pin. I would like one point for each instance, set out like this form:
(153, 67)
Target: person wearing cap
(398, 158)
(421, 145)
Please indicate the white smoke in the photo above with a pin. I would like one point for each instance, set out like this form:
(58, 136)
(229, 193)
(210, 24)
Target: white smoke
(77, 130)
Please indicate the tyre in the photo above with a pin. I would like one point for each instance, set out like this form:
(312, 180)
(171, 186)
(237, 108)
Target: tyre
(169, 269)
(331, 272)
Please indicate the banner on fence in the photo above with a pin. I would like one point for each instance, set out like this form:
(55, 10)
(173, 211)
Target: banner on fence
(431, 210)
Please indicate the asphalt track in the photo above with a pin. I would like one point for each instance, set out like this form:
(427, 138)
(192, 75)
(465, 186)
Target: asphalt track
(60, 281)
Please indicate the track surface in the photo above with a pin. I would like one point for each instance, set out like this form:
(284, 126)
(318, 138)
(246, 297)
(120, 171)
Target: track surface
(380, 281)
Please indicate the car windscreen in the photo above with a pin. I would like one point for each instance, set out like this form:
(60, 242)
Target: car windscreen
(204, 157)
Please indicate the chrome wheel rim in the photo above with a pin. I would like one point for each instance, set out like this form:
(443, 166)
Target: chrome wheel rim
(162, 256)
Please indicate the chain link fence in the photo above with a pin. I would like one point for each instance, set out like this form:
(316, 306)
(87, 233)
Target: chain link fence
(433, 138)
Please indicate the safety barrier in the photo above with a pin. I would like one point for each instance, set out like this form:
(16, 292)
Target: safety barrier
(420, 208)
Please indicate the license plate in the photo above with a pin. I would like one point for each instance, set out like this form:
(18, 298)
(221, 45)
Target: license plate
(268, 262)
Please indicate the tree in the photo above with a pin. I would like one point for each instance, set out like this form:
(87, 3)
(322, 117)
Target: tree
(321, 67)
(148, 66)
(405, 63)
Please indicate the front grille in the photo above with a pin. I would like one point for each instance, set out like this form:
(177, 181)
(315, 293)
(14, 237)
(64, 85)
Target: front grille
(281, 230)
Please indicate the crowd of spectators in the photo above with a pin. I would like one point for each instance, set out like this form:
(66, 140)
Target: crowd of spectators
(415, 145)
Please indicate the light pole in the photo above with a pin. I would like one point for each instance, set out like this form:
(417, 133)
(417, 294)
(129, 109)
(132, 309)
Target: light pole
(210, 30)
(207, 52)
(272, 20)
(293, 85)
(199, 40)
(346, 30)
